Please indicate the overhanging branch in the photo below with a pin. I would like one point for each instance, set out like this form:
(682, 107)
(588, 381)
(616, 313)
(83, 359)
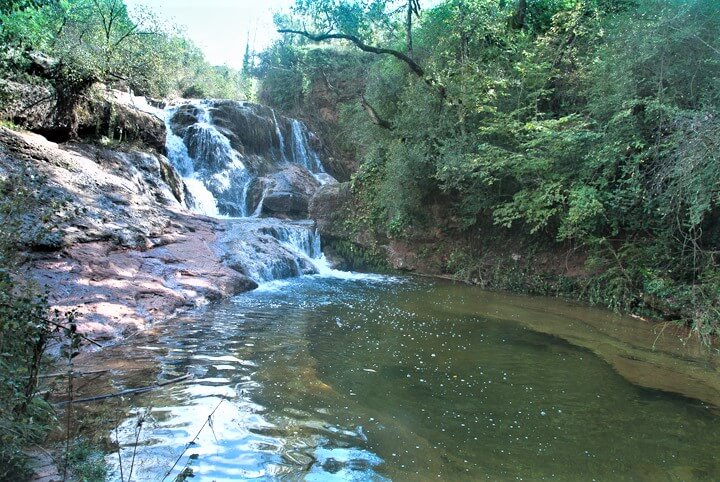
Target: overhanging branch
(414, 66)
(374, 117)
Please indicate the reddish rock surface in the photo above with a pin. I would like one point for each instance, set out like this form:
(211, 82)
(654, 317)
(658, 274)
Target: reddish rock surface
(116, 290)
(107, 237)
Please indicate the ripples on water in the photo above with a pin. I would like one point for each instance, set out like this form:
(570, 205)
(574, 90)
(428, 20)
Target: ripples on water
(320, 378)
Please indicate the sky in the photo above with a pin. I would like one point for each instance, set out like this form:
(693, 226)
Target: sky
(221, 27)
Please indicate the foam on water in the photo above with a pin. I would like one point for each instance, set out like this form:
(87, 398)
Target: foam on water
(325, 270)
(204, 201)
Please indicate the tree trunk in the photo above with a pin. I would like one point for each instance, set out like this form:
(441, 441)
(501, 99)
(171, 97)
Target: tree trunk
(518, 19)
(69, 91)
(408, 29)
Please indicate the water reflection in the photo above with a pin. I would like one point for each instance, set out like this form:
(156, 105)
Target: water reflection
(377, 379)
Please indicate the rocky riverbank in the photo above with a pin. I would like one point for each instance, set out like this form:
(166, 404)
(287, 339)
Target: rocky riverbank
(116, 232)
(108, 234)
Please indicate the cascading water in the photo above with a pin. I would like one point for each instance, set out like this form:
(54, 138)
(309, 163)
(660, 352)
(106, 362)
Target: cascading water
(240, 160)
(302, 153)
(221, 164)
(280, 137)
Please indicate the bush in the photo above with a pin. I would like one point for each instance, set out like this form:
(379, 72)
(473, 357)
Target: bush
(26, 326)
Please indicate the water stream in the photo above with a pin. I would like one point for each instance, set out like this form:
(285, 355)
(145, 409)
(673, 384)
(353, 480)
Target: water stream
(230, 156)
(373, 378)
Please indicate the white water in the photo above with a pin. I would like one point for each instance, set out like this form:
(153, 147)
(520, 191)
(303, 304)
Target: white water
(211, 146)
(302, 153)
(203, 200)
(278, 132)
(325, 270)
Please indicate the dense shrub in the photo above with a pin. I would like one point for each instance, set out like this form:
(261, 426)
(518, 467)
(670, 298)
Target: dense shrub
(592, 123)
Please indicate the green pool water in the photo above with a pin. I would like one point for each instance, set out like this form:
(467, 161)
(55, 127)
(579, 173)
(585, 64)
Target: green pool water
(376, 378)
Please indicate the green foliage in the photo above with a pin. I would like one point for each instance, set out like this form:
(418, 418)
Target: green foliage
(594, 123)
(8, 6)
(8, 125)
(87, 462)
(353, 18)
(86, 41)
(358, 258)
(25, 328)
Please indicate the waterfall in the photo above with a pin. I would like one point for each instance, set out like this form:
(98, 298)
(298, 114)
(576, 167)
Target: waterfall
(267, 249)
(202, 200)
(226, 153)
(236, 150)
(279, 134)
(302, 153)
(214, 150)
(305, 241)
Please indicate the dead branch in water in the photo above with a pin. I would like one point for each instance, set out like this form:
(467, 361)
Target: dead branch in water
(190, 443)
(75, 374)
(132, 391)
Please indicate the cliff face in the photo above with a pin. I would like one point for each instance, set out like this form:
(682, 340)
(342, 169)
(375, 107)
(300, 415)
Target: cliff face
(107, 234)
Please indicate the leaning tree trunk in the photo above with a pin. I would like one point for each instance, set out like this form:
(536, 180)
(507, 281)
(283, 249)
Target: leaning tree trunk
(70, 89)
(408, 29)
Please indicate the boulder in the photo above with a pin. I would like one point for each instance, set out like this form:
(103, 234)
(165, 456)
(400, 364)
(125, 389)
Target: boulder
(184, 116)
(26, 105)
(330, 207)
(104, 116)
(250, 128)
(285, 204)
(290, 192)
(101, 114)
(172, 178)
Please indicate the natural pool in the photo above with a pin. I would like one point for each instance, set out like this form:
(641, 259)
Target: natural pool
(376, 378)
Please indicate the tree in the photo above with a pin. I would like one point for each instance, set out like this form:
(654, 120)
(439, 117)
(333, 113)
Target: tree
(362, 24)
(8, 6)
(350, 21)
(88, 41)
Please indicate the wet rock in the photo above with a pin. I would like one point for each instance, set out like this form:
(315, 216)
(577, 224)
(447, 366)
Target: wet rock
(285, 203)
(330, 207)
(249, 127)
(173, 180)
(265, 249)
(185, 116)
(290, 192)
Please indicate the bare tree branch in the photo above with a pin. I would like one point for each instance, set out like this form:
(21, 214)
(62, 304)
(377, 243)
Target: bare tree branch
(414, 66)
(374, 117)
